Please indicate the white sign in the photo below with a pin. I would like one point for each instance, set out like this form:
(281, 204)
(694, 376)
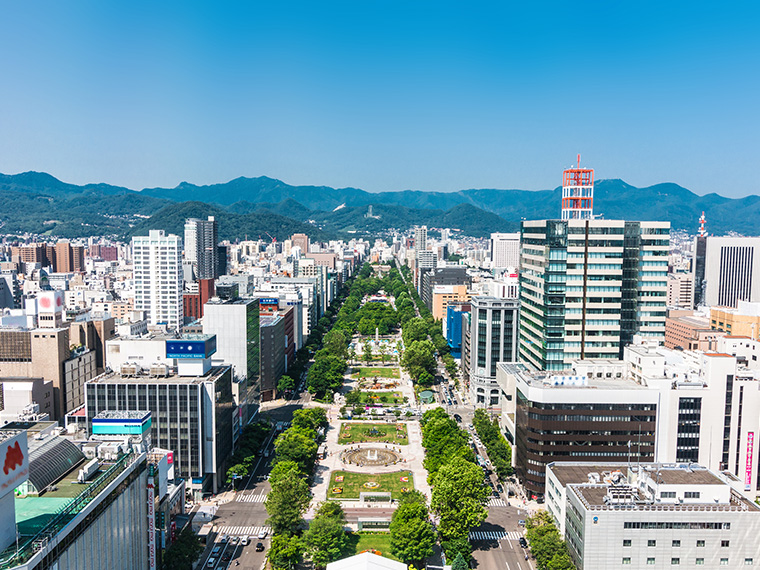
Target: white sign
(14, 458)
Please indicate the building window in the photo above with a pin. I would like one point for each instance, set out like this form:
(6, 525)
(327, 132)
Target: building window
(748, 562)
(651, 543)
(675, 561)
(691, 495)
(676, 544)
(724, 561)
(626, 560)
(650, 561)
(724, 543)
(627, 542)
(700, 544)
(700, 562)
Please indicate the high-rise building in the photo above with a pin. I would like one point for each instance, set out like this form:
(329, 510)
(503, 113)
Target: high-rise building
(420, 239)
(158, 277)
(731, 270)
(698, 264)
(301, 241)
(680, 290)
(493, 339)
(505, 250)
(201, 240)
(578, 193)
(588, 286)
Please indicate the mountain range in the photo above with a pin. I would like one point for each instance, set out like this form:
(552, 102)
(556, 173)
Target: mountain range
(40, 203)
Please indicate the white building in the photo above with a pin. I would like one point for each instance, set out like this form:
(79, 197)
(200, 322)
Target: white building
(505, 250)
(649, 514)
(680, 290)
(158, 278)
(732, 270)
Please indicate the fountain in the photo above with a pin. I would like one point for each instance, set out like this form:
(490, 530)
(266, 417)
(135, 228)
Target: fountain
(370, 457)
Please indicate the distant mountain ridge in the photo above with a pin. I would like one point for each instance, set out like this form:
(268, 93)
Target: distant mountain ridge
(479, 211)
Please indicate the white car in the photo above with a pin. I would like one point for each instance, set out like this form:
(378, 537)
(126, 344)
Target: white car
(262, 535)
(244, 541)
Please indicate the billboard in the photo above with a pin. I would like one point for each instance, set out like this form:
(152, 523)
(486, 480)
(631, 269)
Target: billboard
(748, 464)
(191, 348)
(14, 456)
(269, 301)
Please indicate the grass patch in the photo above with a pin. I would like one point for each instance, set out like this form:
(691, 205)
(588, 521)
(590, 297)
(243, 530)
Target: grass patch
(381, 398)
(378, 541)
(353, 484)
(377, 371)
(354, 432)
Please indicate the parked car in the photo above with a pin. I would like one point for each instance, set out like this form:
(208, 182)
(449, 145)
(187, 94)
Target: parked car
(259, 547)
(523, 542)
(499, 488)
(521, 522)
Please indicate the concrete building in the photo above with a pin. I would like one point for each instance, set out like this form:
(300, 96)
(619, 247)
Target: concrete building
(680, 290)
(193, 300)
(192, 415)
(505, 250)
(445, 295)
(19, 396)
(588, 286)
(731, 270)
(453, 327)
(272, 331)
(643, 515)
(301, 241)
(420, 239)
(494, 337)
(742, 321)
(236, 326)
(690, 332)
(158, 278)
(448, 276)
(201, 239)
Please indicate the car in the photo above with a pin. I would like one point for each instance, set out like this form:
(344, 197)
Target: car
(244, 541)
(523, 542)
(259, 547)
(490, 484)
(211, 563)
(510, 493)
(521, 522)
(499, 488)
(226, 557)
(234, 540)
(262, 535)
(458, 418)
(495, 494)
(217, 550)
(224, 539)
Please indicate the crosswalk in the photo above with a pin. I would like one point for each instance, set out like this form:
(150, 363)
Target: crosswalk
(496, 503)
(494, 535)
(243, 530)
(260, 498)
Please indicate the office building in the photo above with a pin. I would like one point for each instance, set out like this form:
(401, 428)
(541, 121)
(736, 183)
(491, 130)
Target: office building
(300, 241)
(690, 332)
(236, 325)
(588, 286)
(494, 338)
(445, 295)
(505, 250)
(742, 321)
(448, 276)
(680, 290)
(272, 332)
(192, 408)
(201, 247)
(453, 327)
(731, 270)
(632, 515)
(420, 239)
(197, 295)
(68, 258)
(158, 278)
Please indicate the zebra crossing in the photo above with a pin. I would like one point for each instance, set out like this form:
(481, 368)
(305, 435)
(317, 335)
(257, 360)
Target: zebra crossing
(494, 535)
(496, 503)
(260, 498)
(243, 530)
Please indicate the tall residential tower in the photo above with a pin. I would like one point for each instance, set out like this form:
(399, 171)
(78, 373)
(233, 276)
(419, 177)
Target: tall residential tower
(158, 277)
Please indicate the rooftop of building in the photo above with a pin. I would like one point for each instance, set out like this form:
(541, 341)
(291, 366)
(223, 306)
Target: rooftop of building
(269, 320)
(570, 379)
(699, 322)
(214, 373)
(122, 415)
(235, 301)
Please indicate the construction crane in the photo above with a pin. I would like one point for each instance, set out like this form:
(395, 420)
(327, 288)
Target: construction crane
(274, 240)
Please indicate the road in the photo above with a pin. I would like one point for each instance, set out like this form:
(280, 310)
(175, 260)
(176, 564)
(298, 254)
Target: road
(246, 515)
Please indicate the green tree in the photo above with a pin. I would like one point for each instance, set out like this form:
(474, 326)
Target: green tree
(335, 342)
(419, 357)
(183, 552)
(285, 384)
(291, 445)
(353, 397)
(286, 503)
(412, 535)
(456, 546)
(415, 329)
(459, 498)
(237, 471)
(459, 563)
(283, 469)
(310, 418)
(285, 551)
(367, 352)
(326, 538)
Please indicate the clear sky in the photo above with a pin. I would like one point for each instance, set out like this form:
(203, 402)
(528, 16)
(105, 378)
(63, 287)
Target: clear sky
(382, 95)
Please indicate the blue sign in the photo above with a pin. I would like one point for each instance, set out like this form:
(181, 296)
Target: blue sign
(269, 301)
(191, 348)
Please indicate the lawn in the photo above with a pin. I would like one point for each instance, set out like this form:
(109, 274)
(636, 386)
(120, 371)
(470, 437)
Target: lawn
(381, 398)
(353, 484)
(355, 432)
(376, 372)
(378, 541)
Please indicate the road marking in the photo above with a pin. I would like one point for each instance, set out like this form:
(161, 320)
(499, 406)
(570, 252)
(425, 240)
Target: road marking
(496, 503)
(494, 535)
(243, 530)
(260, 498)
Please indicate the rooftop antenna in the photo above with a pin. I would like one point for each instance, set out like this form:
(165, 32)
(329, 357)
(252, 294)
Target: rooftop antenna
(702, 232)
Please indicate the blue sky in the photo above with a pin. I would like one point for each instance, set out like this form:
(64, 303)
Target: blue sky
(382, 95)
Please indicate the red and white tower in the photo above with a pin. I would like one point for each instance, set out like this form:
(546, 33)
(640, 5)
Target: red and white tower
(702, 232)
(578, 193)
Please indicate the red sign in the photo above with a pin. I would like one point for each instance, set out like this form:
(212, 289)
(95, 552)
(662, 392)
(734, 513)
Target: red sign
(13, 458)
(170, 457)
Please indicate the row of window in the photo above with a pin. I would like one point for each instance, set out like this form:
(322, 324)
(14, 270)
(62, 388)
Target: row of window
(697, 561)
(677, 543)
(678, 525)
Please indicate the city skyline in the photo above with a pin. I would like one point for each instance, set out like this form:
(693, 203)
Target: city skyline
(382, 99)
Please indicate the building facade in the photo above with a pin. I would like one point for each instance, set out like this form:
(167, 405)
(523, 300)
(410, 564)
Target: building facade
(201, 239)
(505, 250)
(158, 278)
(588, 286)
(732, 271)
